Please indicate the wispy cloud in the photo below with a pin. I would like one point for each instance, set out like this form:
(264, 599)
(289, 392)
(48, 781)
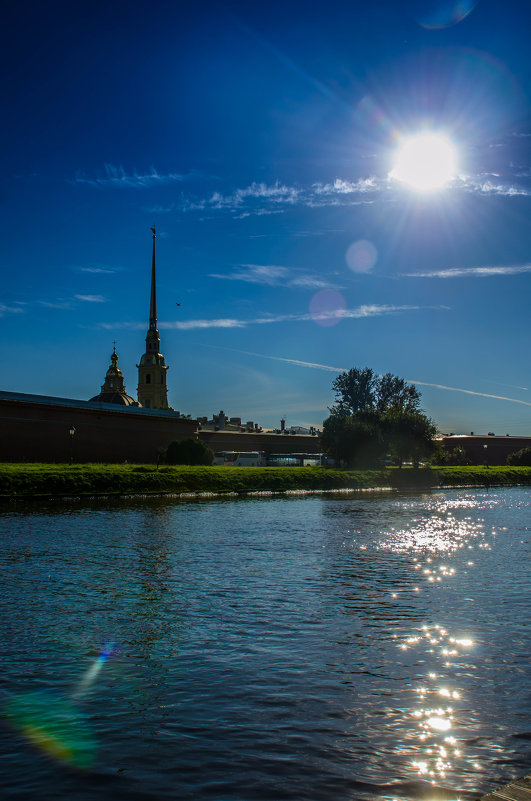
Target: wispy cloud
(98, 269)
(123, 325)
(9, 309)
(59, 303)
(490, 184)
(311, 282)
(474, 272)
(274, 275)
(364, 311)
(118, 177)
(262, 198)
(91, 298)
(343, 187)
(268, 274)
(329, 368)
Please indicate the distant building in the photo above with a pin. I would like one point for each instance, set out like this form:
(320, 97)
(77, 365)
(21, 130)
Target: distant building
(220, 422)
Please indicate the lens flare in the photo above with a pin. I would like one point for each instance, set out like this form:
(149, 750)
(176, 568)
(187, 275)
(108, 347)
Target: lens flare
(55, 725)
(327, 307)
(361, 256)
(443, 14)
(91, 674)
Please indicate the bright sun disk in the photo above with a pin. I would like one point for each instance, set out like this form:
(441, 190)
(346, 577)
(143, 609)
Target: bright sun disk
(425, 162)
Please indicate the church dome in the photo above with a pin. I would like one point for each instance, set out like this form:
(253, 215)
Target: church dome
(113, 389)
(120, 398)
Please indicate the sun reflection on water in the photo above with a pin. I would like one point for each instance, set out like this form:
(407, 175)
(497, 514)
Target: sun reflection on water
(438, 718)
(436, 725)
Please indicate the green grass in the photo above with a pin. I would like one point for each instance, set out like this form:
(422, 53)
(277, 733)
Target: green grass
(45, 480)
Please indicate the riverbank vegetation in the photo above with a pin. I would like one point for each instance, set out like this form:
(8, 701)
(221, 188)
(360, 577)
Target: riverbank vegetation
(55, 480)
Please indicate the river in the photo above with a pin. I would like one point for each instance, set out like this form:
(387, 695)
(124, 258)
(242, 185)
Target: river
(341, 647)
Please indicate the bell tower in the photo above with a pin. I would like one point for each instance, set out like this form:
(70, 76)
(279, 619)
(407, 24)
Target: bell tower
(152, 390)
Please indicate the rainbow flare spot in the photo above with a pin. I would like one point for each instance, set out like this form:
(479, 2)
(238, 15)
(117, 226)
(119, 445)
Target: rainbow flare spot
(54, 725)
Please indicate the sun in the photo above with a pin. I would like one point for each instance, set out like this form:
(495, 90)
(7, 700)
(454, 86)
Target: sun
(425, 162)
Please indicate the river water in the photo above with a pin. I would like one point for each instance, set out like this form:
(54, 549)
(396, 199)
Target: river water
(341, 647)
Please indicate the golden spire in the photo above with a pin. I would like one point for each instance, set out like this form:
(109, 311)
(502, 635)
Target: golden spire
(153, 301)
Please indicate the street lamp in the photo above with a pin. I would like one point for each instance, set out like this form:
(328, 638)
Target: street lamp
(485, 455)
(72, 431)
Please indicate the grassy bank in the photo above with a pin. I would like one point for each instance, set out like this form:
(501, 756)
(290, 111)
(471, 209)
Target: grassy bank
(45, 480)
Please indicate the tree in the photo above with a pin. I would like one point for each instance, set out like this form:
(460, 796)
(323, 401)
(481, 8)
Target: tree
(355, 391)
(374, 415)
(520, 458)
(356, 440)
(361, 390)
(450, 456)
(188, 451)
(393, 392)
(410, 435)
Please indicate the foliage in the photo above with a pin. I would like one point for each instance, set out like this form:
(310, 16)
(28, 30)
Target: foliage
(187, 451)
(356, 440)
(450, 456)
(409, 434)
(374, 416)
(361, 390)
(520, 458)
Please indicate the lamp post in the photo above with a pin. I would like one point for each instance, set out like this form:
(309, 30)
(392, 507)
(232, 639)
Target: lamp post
(72, 431)
(485, 455)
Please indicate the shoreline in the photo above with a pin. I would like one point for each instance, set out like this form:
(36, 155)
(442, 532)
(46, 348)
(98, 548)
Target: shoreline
(45, 481)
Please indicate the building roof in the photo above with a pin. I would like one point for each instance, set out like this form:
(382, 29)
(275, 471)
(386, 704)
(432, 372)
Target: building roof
(22, 397)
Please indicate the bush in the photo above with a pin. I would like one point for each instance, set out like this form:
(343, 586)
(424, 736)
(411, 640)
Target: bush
(520, 458)
(187, 451)
(451, 456)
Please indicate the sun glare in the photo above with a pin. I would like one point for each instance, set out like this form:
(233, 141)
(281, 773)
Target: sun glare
(425, 162)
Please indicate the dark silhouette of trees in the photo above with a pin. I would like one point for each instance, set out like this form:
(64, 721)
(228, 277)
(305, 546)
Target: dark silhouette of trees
(520, 458)
(376, 416)
(357, 439)
(410, 435)
(187, 451)
(451, 456)
(355, 391)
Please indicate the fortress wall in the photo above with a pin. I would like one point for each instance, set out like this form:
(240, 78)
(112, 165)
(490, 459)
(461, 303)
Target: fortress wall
(33, 431)
(496, 451)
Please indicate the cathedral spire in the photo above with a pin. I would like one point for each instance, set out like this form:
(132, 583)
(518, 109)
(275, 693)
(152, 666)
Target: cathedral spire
(153, 301)
(152, 390)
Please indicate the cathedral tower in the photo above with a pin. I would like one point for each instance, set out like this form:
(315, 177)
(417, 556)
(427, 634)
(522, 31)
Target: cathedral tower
(152, 390)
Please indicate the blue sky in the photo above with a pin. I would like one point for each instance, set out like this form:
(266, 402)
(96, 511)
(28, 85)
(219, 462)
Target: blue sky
(259, 137)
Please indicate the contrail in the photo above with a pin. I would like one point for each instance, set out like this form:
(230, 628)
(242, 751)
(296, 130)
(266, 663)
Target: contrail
(331, 369)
